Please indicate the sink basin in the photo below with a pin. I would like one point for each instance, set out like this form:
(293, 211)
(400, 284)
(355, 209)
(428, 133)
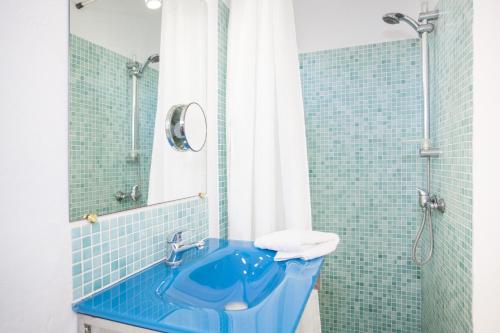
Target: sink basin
(228, 286)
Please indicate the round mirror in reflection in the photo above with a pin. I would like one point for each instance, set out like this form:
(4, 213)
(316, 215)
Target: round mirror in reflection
(186, 127)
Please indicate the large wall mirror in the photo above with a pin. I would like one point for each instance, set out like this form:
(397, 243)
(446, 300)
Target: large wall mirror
(131, 63)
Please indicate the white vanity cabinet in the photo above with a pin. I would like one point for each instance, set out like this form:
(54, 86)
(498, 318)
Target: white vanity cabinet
(88, 324)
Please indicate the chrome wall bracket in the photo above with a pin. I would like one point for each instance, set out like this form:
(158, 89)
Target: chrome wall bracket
(429, 16)
(430, 152)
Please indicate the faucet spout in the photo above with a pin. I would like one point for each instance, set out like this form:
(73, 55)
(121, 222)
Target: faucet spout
(177, 247)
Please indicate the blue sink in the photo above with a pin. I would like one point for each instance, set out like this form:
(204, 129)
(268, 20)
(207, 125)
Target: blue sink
(197, 296)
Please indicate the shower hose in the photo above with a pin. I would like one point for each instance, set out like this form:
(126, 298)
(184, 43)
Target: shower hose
(426, 220)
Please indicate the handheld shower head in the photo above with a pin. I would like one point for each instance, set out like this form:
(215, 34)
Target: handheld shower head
(395, 18)
(392, 18)
(152, 59)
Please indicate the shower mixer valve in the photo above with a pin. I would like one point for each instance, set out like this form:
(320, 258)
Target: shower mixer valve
(426, 200)
(135, 194)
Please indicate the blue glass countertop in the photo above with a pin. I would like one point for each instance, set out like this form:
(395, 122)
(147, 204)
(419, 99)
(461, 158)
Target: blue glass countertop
(192, 297)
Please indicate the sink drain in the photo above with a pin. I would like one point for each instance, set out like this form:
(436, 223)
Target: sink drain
(236, 306)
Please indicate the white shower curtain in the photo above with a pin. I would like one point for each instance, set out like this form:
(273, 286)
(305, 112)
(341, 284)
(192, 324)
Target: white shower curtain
(182, 79)
(268, 183)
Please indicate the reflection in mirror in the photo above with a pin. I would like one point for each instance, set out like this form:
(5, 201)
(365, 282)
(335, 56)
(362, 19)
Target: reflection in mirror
(183, 71)
(115, 73)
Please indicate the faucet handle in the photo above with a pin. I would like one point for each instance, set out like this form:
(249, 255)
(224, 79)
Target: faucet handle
(176, 236)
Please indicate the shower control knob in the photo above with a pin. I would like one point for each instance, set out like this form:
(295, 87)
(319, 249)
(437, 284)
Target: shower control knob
(438, 203)
(119, 196)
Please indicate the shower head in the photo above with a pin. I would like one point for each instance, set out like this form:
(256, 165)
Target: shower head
(152, 59)
(392, 18)
(395, 18)
(81, 4)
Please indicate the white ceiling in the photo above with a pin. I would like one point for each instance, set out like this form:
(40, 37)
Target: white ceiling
(328, 24)
(127, 27)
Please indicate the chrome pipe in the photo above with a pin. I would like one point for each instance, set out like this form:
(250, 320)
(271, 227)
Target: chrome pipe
(134, 153)
(428, 167)
(135, 71)
(424, 42)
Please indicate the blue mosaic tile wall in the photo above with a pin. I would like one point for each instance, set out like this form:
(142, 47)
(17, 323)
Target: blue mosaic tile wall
(363, 107)
(100, 104)
(122, 244)
(223, 21)
(447, 278)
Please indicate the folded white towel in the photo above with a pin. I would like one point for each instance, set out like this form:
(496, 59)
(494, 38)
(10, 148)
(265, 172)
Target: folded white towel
(313, 252)
(294, 240)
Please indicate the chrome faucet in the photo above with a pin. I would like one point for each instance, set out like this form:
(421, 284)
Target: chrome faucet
(425, 201)
(135, 194)
(177, 246)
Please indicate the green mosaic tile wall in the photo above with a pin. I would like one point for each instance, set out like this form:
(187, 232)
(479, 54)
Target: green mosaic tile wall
(223, 21)
(447, 279)
(362, 105)
(120, 245)
(100, 129)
